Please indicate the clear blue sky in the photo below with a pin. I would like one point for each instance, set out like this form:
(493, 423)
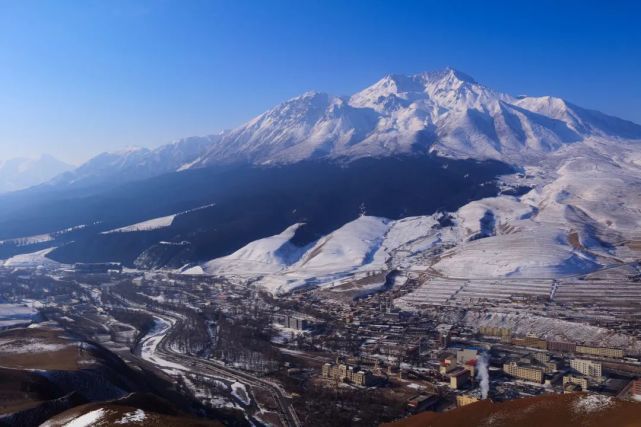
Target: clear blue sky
(80, 77)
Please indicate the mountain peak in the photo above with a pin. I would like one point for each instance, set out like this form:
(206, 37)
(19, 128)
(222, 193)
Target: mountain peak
(454, 73)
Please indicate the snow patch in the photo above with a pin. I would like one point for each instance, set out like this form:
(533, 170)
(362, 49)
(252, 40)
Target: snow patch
(137, 416)
(87, 420)
(592, 403)
(239, 391)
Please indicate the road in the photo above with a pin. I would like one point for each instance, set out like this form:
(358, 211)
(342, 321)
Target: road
(155, 348)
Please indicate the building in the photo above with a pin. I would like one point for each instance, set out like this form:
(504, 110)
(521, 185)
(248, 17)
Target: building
(465, 399)
(465, 355)
(422, 403)
(444, 335)
(541, 357)
(563, 347)
(362, 377)
(470, 365)
(578, 381)
(587, 367)
(600, 351)
(298, 323)
(459, 378)
(346, 373)
(448, 363)
(292, 322)
(446, 368)
(523, 372)
(495, 331)
(569, 388)
(531, 342)
(98, 267)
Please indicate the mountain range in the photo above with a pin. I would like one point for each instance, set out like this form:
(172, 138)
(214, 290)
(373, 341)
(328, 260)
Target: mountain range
(445, 112)
(411, 166)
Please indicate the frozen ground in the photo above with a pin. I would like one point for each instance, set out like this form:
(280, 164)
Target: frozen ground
(154, 223)
(31, 260)
(87, 420)
(239, 391)
(137, 416)
(16, 314)
(151, 224)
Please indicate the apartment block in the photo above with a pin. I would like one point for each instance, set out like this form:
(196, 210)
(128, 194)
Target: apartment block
(523, 372)
(600, 351)
(572, 379)
(586, 367)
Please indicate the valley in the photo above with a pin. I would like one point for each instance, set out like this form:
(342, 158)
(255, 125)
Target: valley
(235, 348)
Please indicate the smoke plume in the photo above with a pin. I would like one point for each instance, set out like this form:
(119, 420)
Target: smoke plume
(483, 375)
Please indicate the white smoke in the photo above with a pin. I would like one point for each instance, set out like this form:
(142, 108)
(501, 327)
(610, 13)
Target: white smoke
(483, 375)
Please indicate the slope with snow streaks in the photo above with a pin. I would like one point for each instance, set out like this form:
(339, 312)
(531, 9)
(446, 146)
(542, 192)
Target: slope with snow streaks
(535, 253)
(151, 224)
(354, 245)
(31, 260)
(154, 223)
(263, 256)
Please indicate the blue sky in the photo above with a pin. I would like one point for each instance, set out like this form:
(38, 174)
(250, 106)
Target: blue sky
(81, 77)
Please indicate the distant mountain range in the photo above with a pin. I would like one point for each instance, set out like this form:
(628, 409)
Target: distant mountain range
(20, 173)
(504, 185)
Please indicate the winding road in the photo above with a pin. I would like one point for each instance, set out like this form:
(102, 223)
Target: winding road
(155, 348)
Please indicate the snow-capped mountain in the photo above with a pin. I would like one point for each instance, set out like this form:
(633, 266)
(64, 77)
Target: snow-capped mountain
(446, 112)
(19, 173)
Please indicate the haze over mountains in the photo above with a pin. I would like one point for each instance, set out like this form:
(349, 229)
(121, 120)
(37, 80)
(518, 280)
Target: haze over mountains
(20, 173)
(444, 163)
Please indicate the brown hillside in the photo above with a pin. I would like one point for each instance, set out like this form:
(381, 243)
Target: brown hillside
(550, 411)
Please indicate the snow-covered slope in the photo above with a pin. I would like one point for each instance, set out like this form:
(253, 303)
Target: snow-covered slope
(19, 173)
(151, 224)
(154, 223)
(580, 215)
(268, 255)
(282, 266)
(351, 246)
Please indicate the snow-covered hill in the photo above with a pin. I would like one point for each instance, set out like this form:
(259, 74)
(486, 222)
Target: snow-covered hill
(19, 173)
